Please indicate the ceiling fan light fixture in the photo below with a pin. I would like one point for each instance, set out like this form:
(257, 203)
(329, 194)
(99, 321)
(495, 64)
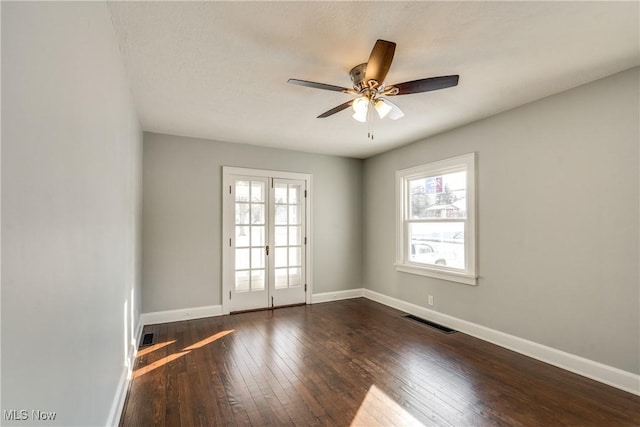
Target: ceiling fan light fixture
(360, 104)
(382, 108)
(360, 116)
(396, 114)
(360, 108)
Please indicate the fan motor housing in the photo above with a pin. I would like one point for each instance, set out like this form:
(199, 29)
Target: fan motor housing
(357, 74)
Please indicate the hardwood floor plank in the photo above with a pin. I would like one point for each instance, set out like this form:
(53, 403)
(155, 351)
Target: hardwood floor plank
(352, 362)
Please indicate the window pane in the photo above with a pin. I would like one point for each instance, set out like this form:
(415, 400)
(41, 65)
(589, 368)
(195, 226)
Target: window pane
(242, 191)
(439, 243)
(418, 200)
(442, 196)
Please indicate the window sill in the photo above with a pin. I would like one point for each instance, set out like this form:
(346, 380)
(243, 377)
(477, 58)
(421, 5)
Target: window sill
(467, 279)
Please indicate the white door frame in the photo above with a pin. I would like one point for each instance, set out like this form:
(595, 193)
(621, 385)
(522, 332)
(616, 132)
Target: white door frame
(227, 274)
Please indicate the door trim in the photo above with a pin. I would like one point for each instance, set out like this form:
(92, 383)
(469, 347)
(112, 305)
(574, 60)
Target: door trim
(226, 274)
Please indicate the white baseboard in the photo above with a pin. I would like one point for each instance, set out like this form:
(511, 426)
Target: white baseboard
(180, 314)
(336, 295)
(597, 371)
(123, 384)
(216, 310)
(118, 402)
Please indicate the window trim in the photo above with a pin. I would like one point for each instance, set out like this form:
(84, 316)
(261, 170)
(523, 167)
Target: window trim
(469, 274)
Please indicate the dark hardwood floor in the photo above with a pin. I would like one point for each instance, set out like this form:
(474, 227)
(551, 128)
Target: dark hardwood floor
(353, 362)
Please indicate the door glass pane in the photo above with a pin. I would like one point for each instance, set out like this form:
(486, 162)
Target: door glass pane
(293, 215)
(294, 235)
(257, 235)
(294, 277)
(257, 280)
(242, 213)
(242, 236)
(281, 236)
(294, 256)
(281, 215)
(257, 258)
(280, 193)
(294, 194)
(257, 214)
(242, 191)
(242, 281)
(257, 191)
(281, 278)
(242, 259)
(437, 243)
(281, 257)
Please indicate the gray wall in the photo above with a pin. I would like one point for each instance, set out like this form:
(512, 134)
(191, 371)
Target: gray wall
(71, 159)
(182, 217)
(558, 222)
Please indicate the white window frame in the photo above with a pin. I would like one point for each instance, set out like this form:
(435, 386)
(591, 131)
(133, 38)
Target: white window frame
(468, 275)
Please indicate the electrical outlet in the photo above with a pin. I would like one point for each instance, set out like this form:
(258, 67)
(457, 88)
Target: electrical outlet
(430, 299)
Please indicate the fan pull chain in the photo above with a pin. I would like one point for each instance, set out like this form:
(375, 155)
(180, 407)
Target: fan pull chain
(370, 118)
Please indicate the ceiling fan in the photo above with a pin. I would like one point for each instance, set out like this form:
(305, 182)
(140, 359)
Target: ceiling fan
(368, 84)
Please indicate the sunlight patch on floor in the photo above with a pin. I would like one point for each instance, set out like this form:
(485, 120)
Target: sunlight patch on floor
(146, 350)
(378, 409)
(158, 363)
(209, 340)
(170, 358)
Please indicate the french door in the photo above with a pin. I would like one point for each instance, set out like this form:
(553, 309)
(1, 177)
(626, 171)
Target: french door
(265, 239)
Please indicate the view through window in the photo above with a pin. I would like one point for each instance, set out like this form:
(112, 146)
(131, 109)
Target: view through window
(438, 208)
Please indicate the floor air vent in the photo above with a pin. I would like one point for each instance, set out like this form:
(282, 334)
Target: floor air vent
(432, 324)
(147, 339)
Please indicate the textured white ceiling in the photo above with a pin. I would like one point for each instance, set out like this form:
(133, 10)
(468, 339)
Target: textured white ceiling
(219, 70)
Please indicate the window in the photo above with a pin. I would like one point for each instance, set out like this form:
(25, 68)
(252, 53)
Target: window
(436, 233)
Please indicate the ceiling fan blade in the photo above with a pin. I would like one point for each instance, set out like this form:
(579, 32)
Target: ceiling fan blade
(395, 113)
(379, 62)
(319, 85)
(336, 109)
(423, 85)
